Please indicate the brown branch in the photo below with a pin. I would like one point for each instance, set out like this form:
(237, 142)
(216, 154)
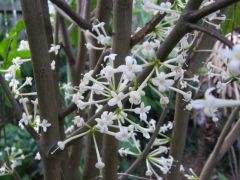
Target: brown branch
(215, 155)
(66, 42)
(122, 23)
(43, 75)
(230, 138)
(207, 10)
(82, 23)
(83, 8)
(148, 28)
(211, 32)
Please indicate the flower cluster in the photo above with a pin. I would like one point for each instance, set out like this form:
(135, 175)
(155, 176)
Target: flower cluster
(15, 157)
(118, 92)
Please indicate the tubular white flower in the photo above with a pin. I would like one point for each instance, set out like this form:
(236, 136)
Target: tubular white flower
(78, 121)
(105, 121)
(23, 45)
(44, 124)
(54, 48)
(25, 120)
(116, 99)
(130, 68)
(53, 65)
(99, 163)
(123, 134)
(148, 48)
(135, 97)
(142, 111)
(61, 144)
(234, 67)
(210, 104)
(161, 82)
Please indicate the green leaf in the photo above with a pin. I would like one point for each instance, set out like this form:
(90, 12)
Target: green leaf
(24, 54)
(74, 37)
(227, 27)
(4, 46)
(18, 28)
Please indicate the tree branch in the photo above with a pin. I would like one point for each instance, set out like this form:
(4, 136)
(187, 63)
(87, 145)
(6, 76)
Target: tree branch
(66, 42)
(211, 32)
(230, 138)
(82, 23)
(207, 10)
(215, 155)
(43, 75)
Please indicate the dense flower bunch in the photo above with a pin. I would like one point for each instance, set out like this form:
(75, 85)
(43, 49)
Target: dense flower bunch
(120, 89)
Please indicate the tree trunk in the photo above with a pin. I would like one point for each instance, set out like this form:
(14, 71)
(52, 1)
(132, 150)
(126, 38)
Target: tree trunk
(43, 75)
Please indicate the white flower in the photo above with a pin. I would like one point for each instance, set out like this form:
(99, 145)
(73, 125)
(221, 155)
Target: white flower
(61, 145)
(25, 120)
(210, 104)
(234, 67)
(165, 6)
(130, 68)
(123, 134)
(23, 45)
(135, 97)
(142, 110)
(196, 78)
(148, 48)
(148, 173)
(166, 127)
(44, 124)
(28, 81)
(78, 121)
(110, 57)
(53, 65)
(116, 99)
(98, 89)
(38, 156)
(104, 40)
(37, 121)
(54, 48)
(108, 72)
(164, 100)
(81, 104)
(233, 54)
(100, 165)
(161, 82)
(105, 120)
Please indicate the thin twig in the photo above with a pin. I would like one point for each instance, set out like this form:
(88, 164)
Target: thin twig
(148, 28)
(62, 5)
(230, 139)
(211, 32)
(66, 43)
(213, 158)
(205, 11)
